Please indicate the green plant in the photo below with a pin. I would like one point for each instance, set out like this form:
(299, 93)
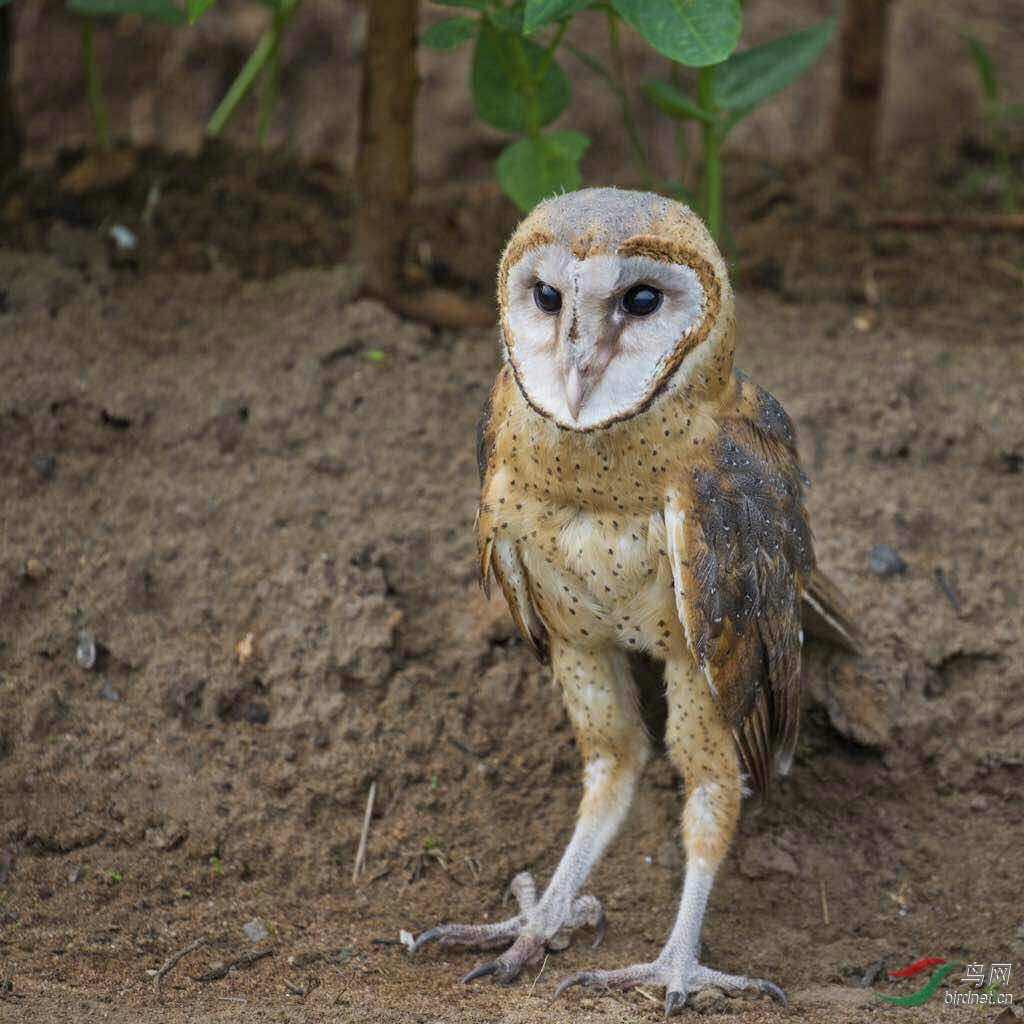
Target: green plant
(264, 62)
(89, 10)
(730, 90)
(519, 87)
(998, 114)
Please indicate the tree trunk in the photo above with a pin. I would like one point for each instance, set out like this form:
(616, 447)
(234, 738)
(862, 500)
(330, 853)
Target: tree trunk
(10, 133)
(384, 158)
(863, 32)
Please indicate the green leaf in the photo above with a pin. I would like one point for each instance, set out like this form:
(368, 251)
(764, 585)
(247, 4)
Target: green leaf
(539, 13)
(197, 8)
(448, 34)
(476, 5)
(161, 10)
(508, 19)
(986, 68)
(540, 166)
(673, 101)
(517, 86)
(749, 78)
(4, 3)
(691, 32)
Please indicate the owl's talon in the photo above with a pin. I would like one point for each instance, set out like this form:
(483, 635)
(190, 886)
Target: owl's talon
(680, 980)
(583, 978)
(674, 1001)
(482, 971)
(536, 929)
(770, 988)
(428, 936)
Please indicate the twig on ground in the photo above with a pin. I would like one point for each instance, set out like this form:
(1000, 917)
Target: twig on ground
(947, 588)
(172, 961)
(824, 900)
(301, 991)
(219, 971)
(357, 868)
(539, 973)
(936, 222)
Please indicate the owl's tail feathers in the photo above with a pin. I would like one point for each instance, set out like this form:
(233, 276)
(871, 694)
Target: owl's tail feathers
(826, 616)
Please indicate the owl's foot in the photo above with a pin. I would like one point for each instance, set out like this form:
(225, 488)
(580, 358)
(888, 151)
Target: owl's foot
(680, 979)
(535, 930)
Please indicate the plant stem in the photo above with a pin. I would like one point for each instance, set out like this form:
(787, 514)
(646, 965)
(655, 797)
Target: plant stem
(711, 139)
(526, 84)
(94, 85)
(619, 67)
(605, 75)
(682, 144)
(242, 84)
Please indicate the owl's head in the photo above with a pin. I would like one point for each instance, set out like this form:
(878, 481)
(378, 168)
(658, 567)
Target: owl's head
(608, 299)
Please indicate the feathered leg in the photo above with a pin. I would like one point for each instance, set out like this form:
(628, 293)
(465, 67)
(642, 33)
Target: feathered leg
(702, 747)
(599, 695)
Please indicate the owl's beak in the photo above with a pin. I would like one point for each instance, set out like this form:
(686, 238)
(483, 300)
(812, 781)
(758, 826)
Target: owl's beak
(583, 371)
(575, 391)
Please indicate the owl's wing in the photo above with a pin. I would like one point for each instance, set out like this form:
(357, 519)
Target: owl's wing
(501, 557)
(742, 561)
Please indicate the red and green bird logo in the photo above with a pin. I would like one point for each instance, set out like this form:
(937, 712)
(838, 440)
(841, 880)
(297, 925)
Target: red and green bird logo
(922, 995)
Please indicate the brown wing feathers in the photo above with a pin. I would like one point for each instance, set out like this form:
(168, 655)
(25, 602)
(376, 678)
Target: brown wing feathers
(748, 549)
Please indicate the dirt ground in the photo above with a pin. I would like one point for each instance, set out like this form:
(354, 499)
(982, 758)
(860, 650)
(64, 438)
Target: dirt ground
(256, 494)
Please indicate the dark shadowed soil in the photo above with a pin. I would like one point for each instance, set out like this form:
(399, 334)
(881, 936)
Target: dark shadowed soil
(257, 494)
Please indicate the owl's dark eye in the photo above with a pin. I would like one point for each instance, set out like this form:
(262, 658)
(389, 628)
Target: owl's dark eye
(547, 298)
(641, 300)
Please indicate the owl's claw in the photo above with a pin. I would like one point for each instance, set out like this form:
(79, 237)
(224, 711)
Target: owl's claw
(482, 971)
(428, 936)
(679, 979)
(583, 978)
(531, 933)
(769, 987)
(674, 1001)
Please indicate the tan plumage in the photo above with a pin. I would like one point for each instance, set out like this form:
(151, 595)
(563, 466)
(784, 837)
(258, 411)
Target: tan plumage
(639, 496)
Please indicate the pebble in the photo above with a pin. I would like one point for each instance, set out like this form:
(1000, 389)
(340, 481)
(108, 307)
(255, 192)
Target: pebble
(85, 652)
(255, 930)
(884, 561)
(33, 570)
(107, 692)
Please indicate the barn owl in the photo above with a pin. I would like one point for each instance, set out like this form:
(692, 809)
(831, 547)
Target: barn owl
(640, 497)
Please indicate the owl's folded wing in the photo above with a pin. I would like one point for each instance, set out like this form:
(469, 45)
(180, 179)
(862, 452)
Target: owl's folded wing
(501, 557)
(742, 558)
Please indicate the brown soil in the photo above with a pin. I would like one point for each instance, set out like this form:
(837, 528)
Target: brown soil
(190, 457)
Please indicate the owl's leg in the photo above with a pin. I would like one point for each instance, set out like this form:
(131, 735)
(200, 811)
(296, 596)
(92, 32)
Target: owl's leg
(598, 690)
(701, 745)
